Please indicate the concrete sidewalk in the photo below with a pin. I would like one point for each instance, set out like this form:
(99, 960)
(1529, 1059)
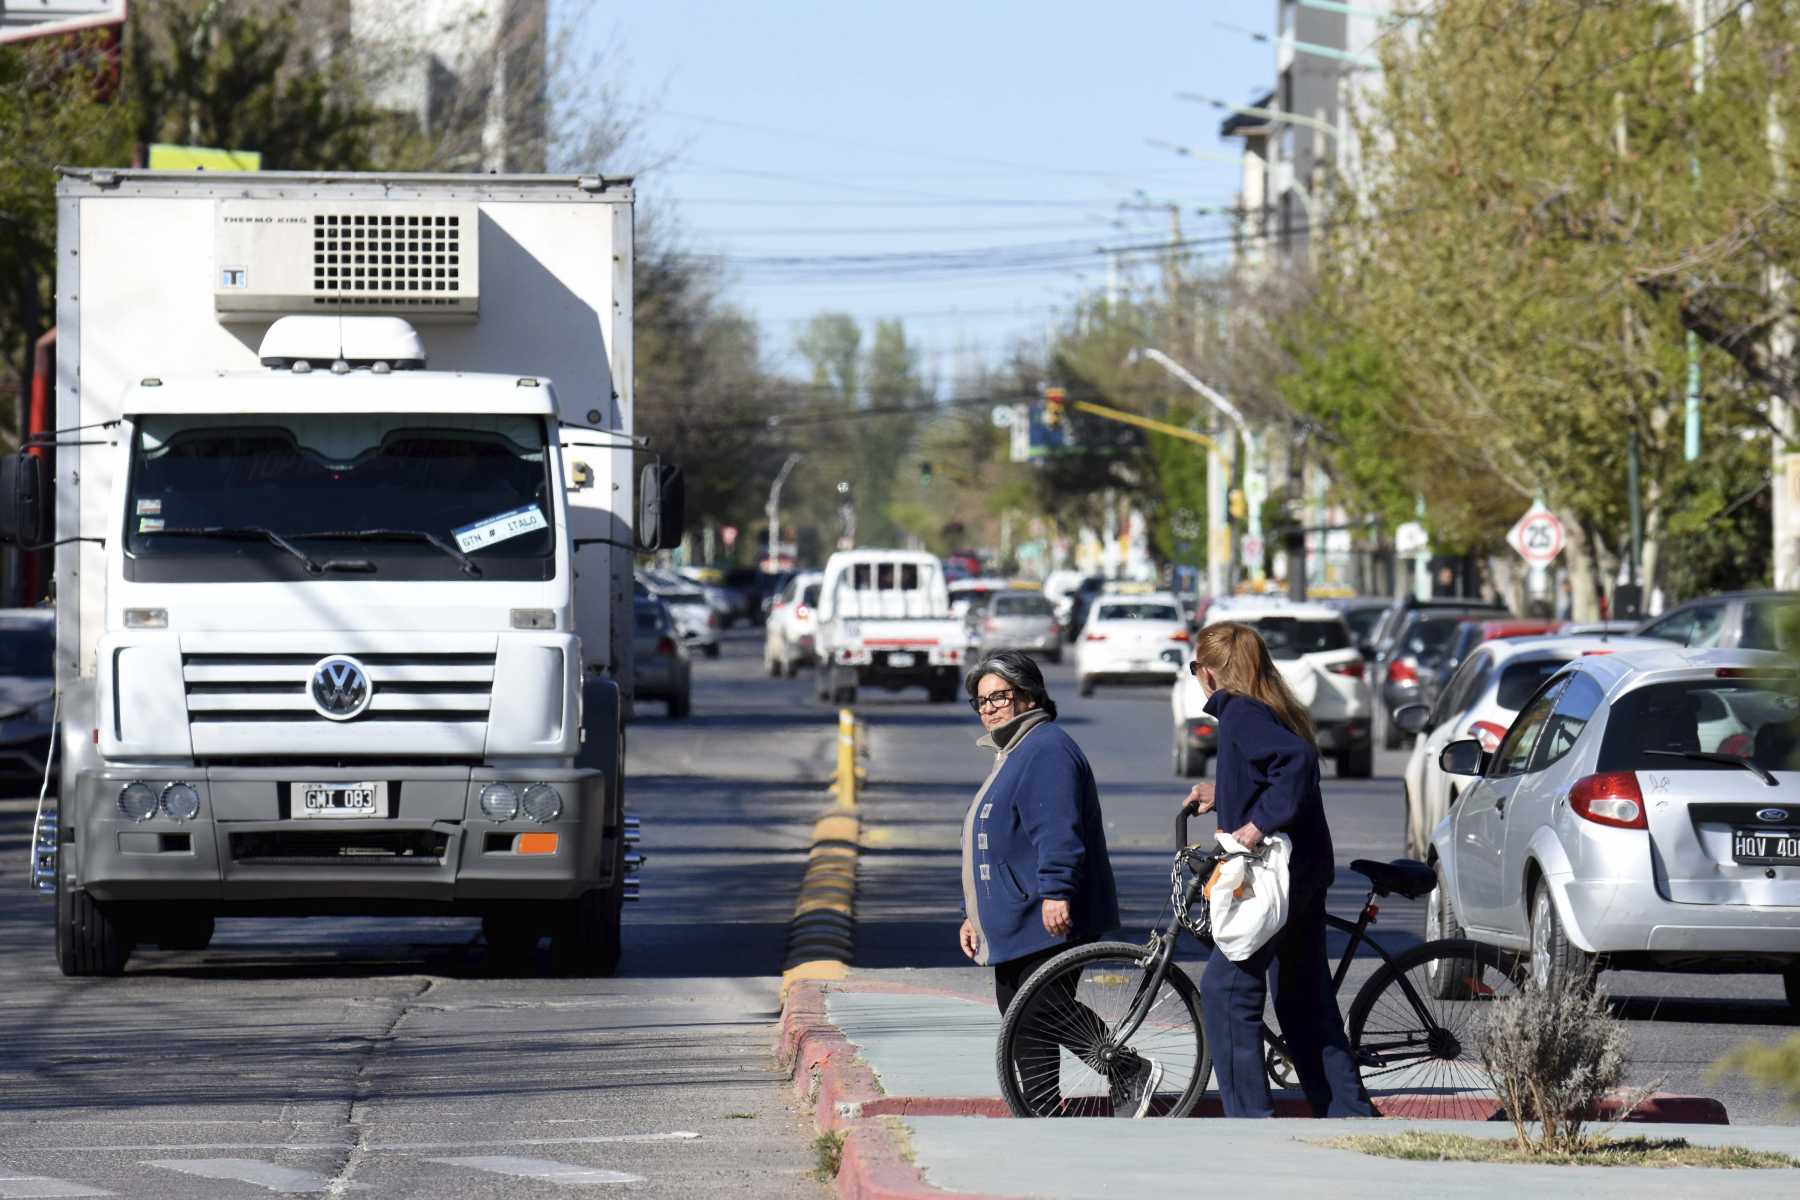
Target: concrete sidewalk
(1088, 1160)
(906, 1075)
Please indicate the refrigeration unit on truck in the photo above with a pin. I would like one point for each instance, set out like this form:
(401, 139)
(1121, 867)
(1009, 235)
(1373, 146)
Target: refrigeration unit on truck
(884, 621)
(343, 492)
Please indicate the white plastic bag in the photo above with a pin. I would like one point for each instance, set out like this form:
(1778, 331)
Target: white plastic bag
(1243, 924)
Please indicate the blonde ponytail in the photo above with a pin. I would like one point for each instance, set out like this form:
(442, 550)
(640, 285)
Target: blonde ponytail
(1236, 655)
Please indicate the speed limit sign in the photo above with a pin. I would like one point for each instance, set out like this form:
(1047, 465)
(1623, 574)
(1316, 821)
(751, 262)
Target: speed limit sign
(1538, 536)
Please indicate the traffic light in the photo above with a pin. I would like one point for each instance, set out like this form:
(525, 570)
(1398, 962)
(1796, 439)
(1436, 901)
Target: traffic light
(1237, 506)
(1053, 407)
(924, 471)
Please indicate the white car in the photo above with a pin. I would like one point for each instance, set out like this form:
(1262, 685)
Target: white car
(1479, 701)
(1314, 650)
(1642, 813)
(964, 593)
(1131, 638)
(788, 634)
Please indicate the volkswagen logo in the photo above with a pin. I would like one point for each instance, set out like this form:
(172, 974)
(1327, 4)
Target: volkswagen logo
(340, 688)
(1771, 814)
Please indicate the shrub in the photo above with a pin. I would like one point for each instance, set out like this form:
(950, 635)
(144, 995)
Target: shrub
(1551, 1055)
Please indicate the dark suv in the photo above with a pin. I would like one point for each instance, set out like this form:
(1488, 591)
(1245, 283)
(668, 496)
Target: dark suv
(1420, 643)
(1736, 620)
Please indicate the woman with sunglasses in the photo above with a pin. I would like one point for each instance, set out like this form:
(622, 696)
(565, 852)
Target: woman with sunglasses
(1268, 782)
(1036, 877)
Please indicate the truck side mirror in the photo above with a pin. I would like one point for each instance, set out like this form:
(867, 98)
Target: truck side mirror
(24, 507)
(662, 507)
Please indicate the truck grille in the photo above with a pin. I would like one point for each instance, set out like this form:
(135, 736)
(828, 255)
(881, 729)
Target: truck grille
(260, 688)
(341, 847)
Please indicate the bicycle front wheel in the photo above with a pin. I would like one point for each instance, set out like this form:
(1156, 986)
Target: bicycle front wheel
(1411, 1032)
(1061, 1051)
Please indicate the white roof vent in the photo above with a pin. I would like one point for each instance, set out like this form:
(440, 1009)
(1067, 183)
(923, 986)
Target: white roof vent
(320, 341)
(418, 258)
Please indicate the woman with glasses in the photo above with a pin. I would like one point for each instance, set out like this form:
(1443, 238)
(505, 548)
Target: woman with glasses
(1268, 782)
(1035, 873)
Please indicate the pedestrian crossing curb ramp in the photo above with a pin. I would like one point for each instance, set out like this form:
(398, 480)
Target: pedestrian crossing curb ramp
(821, 938)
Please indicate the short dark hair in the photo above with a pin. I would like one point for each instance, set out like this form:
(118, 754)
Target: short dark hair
(1019, 670)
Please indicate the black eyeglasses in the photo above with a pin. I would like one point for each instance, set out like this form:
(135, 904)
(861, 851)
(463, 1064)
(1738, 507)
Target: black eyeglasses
(998, 698)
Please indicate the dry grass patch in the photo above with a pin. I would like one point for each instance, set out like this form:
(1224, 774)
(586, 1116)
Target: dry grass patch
(1420, 1146)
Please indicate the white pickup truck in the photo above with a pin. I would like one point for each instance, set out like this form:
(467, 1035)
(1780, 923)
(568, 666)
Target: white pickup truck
(884, 621)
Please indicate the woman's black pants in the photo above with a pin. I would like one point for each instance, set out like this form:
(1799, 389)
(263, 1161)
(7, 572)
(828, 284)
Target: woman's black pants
(1232, 996)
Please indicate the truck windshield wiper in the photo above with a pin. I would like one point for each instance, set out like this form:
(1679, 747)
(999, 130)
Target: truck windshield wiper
(404, 535)
(1736, 760)
(238, 533)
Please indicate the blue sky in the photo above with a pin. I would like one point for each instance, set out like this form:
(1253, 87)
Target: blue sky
(1000, 136)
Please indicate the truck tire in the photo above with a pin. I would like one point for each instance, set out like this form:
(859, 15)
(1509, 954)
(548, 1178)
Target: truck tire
(844, 696)
(1087, 686)
(941, 693)
(711, 649)
(680, 706)
(90, 938)
(587, 941)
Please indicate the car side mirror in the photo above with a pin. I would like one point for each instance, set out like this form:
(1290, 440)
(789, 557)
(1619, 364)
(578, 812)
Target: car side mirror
(662, 507)
(1412, 718)
(24, 501)
(1464, 757)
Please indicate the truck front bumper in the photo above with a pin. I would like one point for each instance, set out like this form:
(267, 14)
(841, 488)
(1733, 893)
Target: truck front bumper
(434, 851)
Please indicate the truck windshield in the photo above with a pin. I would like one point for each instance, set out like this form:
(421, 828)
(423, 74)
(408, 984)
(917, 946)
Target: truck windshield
(413, 496)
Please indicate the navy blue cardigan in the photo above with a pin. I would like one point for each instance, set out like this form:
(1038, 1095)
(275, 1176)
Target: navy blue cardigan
(1268, 776)
(1039, 837)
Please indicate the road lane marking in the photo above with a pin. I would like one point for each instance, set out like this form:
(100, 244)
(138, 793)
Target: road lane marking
(42, 1187)
(249, 1170)
(542, 1168)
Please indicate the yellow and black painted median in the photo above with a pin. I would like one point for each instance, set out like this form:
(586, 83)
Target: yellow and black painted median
(821, 937)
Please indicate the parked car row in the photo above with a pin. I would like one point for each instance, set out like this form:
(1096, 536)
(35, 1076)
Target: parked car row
(1640, 811)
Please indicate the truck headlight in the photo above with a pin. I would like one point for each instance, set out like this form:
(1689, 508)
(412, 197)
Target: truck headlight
(500, 801)
(543, 802)
(137, 801)
(181, 801)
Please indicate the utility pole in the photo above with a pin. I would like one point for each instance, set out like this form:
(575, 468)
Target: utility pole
(1785, 482)
(1691, 432)
(773, 509)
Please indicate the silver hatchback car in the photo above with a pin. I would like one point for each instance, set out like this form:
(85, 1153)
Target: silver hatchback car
(1642, 813)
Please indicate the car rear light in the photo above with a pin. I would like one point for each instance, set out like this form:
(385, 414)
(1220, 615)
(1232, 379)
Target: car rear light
(1096, 637)
(712, 618)
(802, 612)
(1200, 728)
(1488, 734)
(1055, 628)
(1612, 798)
(1180, 635)
(1401, 671)
(666, 646)
(1353, 668)
(989, 625)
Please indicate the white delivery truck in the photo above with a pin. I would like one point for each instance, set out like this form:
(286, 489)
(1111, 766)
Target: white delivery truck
(342, 488)
(884, 621)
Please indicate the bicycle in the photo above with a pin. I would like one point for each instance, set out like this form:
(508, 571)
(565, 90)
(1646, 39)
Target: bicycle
(1114, 1029)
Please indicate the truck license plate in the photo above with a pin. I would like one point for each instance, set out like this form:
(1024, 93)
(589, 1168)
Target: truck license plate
(900, 661)
(1774, 847)
(328, 800)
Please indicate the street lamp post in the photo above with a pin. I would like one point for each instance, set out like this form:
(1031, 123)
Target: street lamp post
(773, 509)
(1215, 483)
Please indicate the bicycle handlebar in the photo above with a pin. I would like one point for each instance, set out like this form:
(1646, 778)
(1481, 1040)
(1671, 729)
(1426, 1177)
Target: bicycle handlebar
(1181, 826)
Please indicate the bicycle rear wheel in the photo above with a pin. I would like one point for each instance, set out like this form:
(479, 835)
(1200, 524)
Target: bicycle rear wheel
(1408, 1038)
(1059, 1054)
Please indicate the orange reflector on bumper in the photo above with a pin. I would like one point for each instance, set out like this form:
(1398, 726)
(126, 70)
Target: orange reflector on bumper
(535, 843)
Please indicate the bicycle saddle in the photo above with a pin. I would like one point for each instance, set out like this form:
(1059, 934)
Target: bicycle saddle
(1404, 876)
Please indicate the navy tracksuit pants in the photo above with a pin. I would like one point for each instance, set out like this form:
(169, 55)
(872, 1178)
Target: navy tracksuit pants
(1232, 995)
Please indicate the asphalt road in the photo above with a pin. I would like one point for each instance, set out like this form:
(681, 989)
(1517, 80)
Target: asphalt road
(926, 767)
(384, 1057)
